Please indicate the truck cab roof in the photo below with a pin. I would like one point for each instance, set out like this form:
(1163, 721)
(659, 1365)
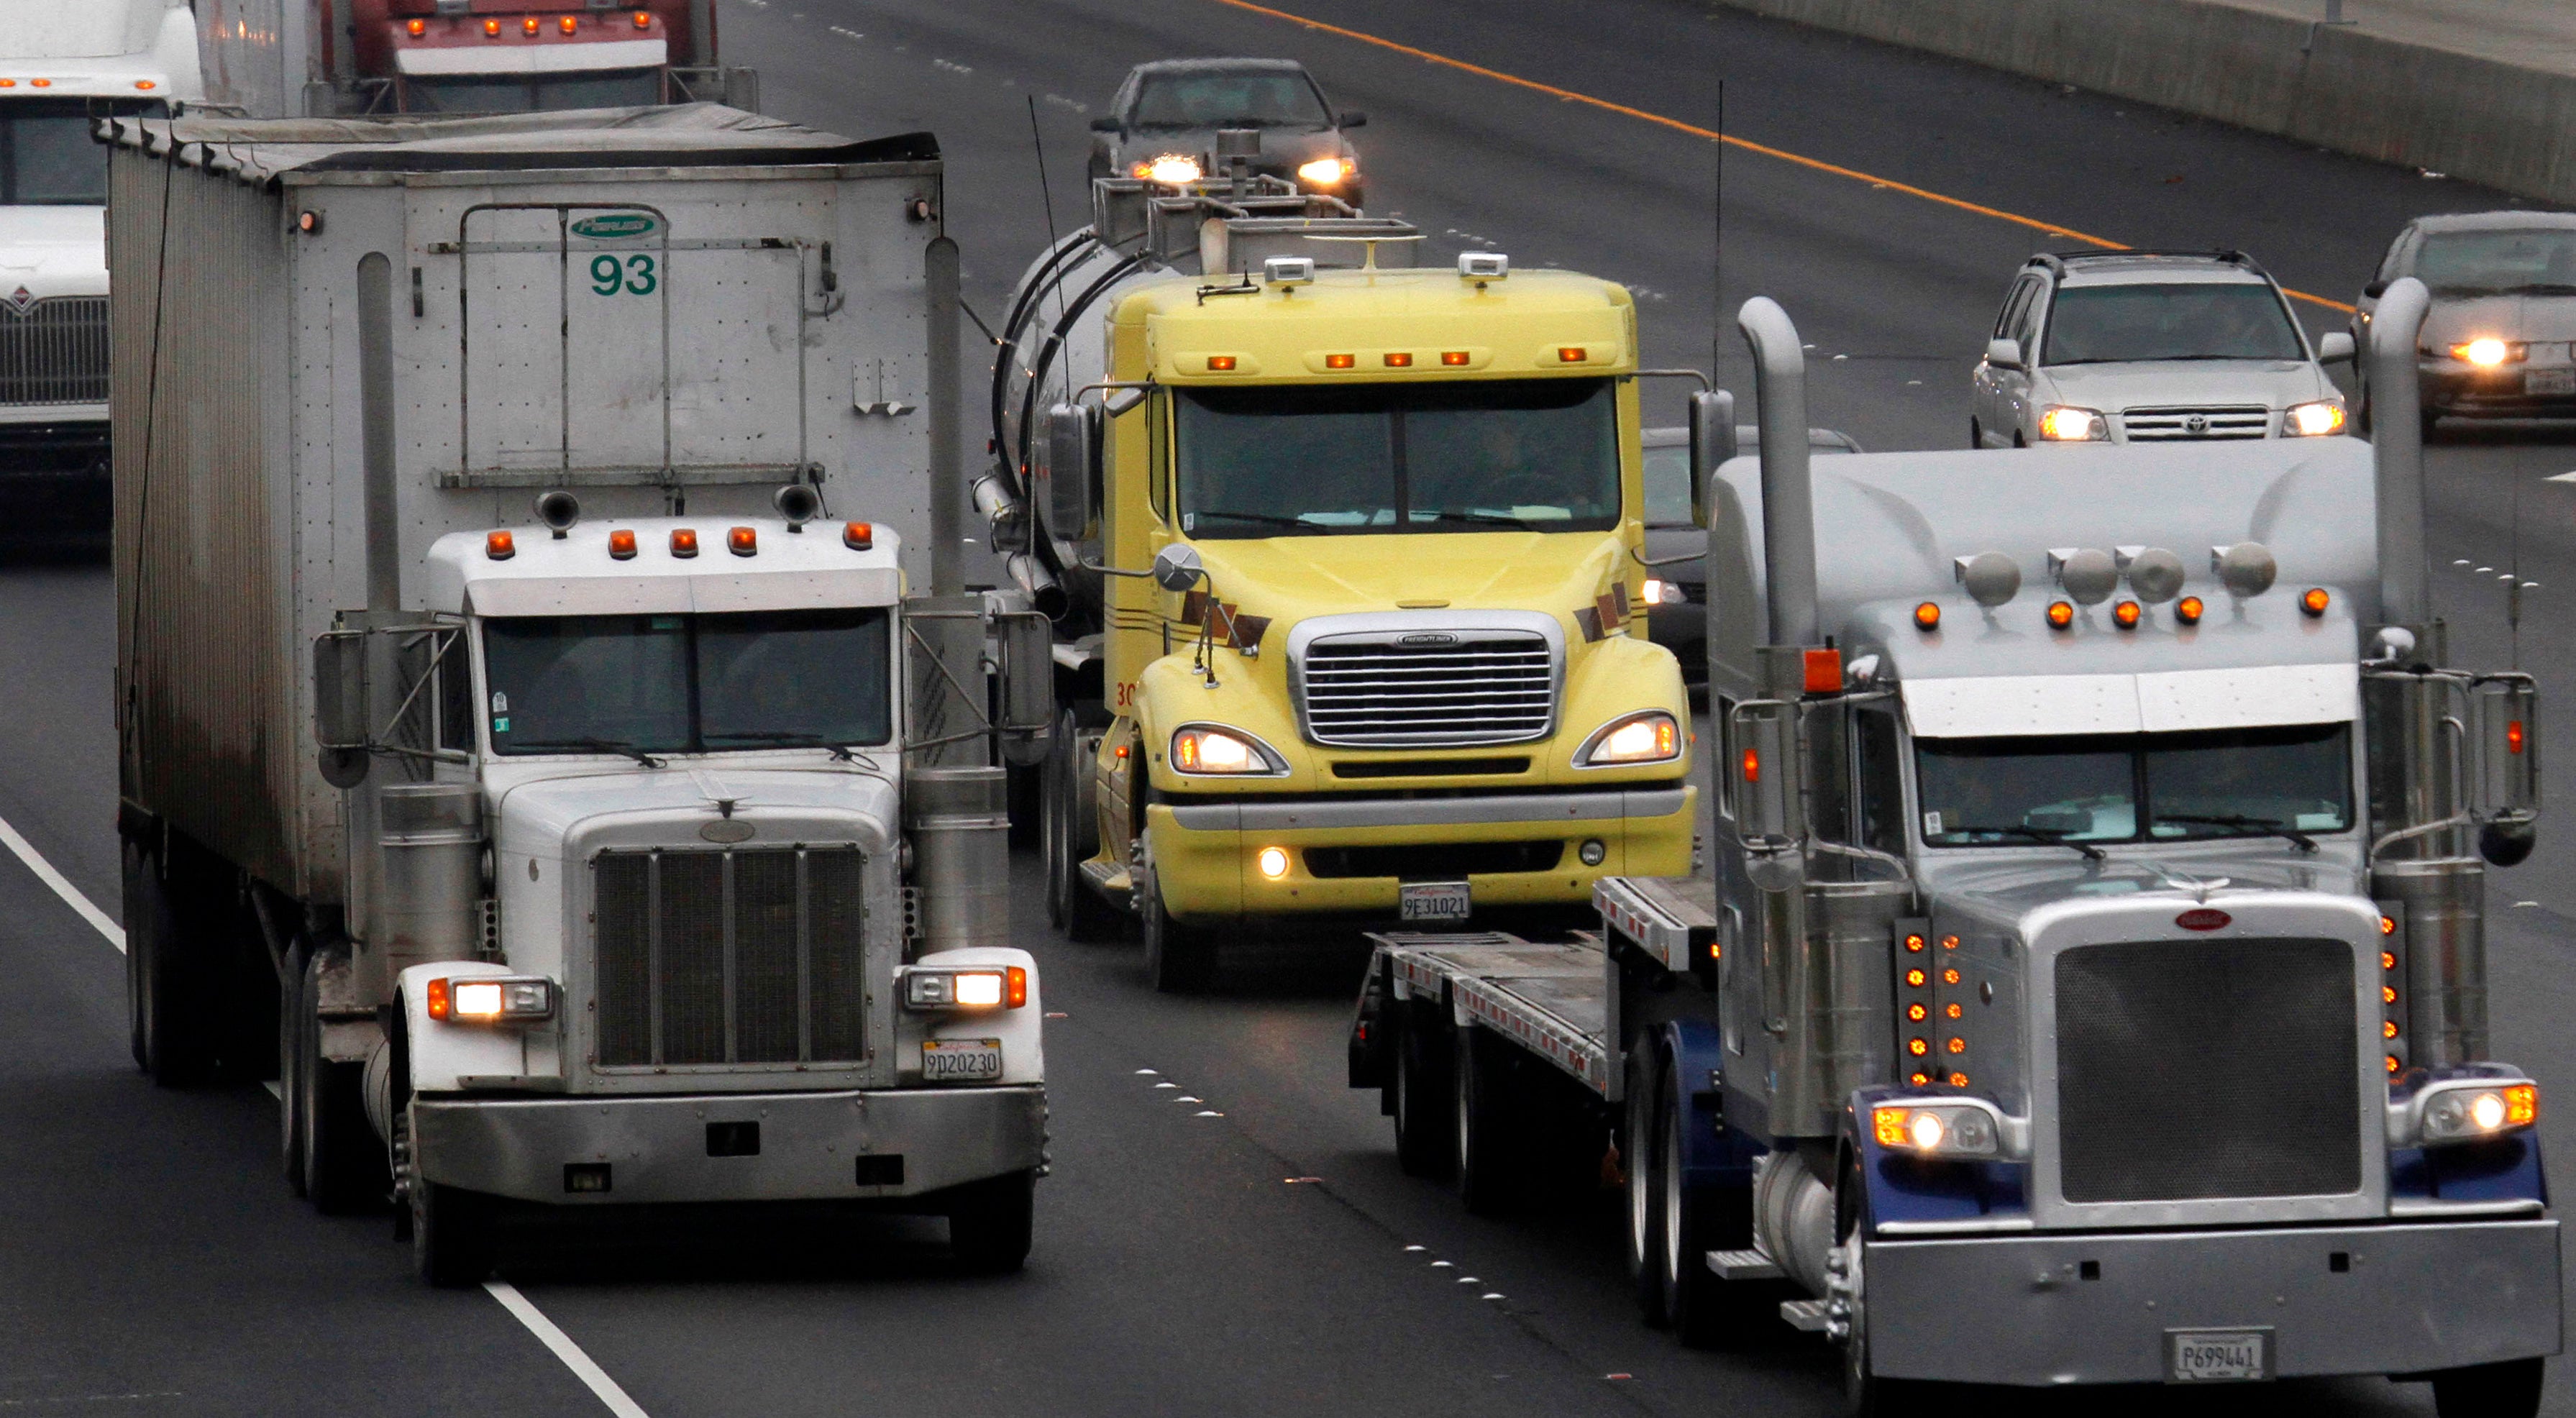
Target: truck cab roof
(579, 572)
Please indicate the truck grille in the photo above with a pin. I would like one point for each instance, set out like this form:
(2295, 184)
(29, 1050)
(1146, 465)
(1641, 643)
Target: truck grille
(2232, 421)
(730, 957)
(55, 353)
(1471, 687)
(2192, 1070)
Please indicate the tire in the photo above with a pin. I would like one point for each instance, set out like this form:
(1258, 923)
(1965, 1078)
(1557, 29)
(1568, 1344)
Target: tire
(2019, 441)
(138, 918)
(1865, 1394)
(1422, 1125)
(451, 1234)
(991, 1222)
(1070, 839)
(1180, 959)
(1488, 1124)
(344, 1164)
(1702, 1309)
(2507, 1390)
(2431, 421)
(169, 982)
(291, 1063)
(1976, 435)
(1637, 1135)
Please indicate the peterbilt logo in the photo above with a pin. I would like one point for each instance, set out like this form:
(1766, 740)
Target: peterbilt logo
(1430, 637)
(2196, 425)
(21, 301)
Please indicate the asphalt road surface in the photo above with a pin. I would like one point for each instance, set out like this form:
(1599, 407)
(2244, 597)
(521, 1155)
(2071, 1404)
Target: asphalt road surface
(1238, 1242)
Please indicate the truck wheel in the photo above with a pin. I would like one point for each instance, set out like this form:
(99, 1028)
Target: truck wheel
(344, 1165)
(2507, 1390)
(451, 1235)
(1487, 1129)
(1865, 1394)
(1637, 1134)
(137, 922)
(1422, 1126)
(166, 979)
(1693, 1300)
(291, 1064)
(1179, 959)
(990, 1223)
(1070, 839)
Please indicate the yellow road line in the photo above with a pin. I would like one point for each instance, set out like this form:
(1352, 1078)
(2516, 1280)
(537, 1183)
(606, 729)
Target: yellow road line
(1712, 135)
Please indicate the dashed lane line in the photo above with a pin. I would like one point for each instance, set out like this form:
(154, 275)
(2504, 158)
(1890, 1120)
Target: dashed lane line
(72, 897)
(601, 1386)
(1694, 130)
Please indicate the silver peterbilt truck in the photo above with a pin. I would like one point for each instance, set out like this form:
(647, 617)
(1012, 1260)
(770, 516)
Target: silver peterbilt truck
(646, 850)
(2089, 985)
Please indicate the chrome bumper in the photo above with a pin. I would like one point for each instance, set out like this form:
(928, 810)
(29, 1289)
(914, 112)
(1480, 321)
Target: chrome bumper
(2022, 1310)
(692, 1148)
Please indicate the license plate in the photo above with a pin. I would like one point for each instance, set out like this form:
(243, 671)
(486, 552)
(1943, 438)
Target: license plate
(961, 1060)
(2549, 381)
(1431, 900)
(2199, 1356)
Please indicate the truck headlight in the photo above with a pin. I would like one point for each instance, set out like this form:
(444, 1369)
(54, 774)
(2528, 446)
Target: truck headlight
(2450, 1111)
(1211, 750)
(1952, 1128)
(968, 989)
(2065, 423)
(492, 999)
(1650, 737)
(1327, 172)
(1659, 592)
(2313, 420)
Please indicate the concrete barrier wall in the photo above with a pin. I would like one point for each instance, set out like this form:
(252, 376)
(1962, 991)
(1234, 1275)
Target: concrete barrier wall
(2352, 91)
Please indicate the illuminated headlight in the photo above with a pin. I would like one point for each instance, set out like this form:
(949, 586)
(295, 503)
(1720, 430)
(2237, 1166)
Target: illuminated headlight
(1660, 593)
(1960, 1129)
(1207, 750)
(2065, 423)
(2487, 352)
(2470, 1110)
(1326, 172)
(2313, 420)
(1170, 169)
(966, 989)
(492, 999)
(1650, 737)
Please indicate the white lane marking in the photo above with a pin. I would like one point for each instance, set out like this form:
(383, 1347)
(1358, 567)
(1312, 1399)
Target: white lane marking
(2562, 478)
(62, 886)
(601, 1385)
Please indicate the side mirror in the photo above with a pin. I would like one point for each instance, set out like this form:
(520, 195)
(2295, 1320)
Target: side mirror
(1178, 568)
(1763, 734)
(340, 705)
(2335, 348)
(1072, 449)
(1353, 118)
(2374, 290)
(1027, 698)
(2004, 354)
(1712, 442)
(1107, 123)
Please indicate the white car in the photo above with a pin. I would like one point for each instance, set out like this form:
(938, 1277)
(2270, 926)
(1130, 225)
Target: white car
(2151, 346)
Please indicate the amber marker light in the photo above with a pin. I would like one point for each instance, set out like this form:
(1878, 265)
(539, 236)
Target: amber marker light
(500, 546)
(1913, 943)
(41, 83)
(1949, 977)
(2388, 994)
(2188, 609)
(2125, 615)
(1455, 359)
(491, 29)
(146, 85)
(684, 543)
(643, 20)
(1220, 364)
(2388, 926)
(2388, 960)
(2315, 600)
(2061, 614)
(1572, 354)
(530, 25)
(2392, 1063)
(859, 536)
(1398, 359)
(1914, 979)
(1958, 1080)
(2521, 1105)
(1888, 1126)
(1752, 766)
(569, 23)
(8, 83)
(1339, 361)
(2388, 1029)
(1927, 616)
(416, 28)
(1917, 1012)
(1918, 1047)
(743, 541)
(621, 544)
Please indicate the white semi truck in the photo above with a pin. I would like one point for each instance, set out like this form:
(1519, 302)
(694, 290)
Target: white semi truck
(63, 65)
(2090, 986)
(643, 849)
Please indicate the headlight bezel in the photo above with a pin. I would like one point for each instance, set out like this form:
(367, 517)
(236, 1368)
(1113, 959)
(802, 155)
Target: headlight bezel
(1595, 744)
(2098, 430)
(935, 989)
(1270, 762)
(1965, 1128)
(514, 999)
(2290, 425)
(2444, 1110)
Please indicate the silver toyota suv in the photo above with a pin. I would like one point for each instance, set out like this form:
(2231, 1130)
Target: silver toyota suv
(2151, 346)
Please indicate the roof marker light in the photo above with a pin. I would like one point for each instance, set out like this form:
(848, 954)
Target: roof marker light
(1823, 671)
(1220, 364)
(1339, 361)
(621, 544)
(41, 83)
(1572, 354)
(2188, 609)
(2315, 601)
(2061, 614)
(2125, 615)
(416, 28)
(1927, 616)
(570, 24)
(1455, 359)
(684, 542)
(859, 536)
(643, 19)
(530, 25)
(491, 29)
(743, 541)
(500, 546)
(1398, 359)
(146, 85)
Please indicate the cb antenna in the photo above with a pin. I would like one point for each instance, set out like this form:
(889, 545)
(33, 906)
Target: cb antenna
(1046, 199)
(1717, 247)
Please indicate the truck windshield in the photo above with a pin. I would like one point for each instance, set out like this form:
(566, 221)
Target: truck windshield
(47, 158)
(2113, 324)
(687, 683)
(522, 93)
(2500, 262)
(1521, 455)
(1263, 99)
(2135, 787)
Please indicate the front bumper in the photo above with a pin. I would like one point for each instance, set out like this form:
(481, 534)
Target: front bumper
(2507, 391)
(2022, 1310)
(1204, 853)
(846, 1145)
(54, 479)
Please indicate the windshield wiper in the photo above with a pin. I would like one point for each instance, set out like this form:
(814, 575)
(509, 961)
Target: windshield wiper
(2542, 288)
(602, 745)
(840, 751)
(1267, 519)
(2053, 836)
(2251, 826)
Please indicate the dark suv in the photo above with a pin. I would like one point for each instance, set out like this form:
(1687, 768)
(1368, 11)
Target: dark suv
(1168, 114)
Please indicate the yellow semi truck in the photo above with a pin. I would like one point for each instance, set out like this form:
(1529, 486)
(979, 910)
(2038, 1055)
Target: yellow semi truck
(1344, 554)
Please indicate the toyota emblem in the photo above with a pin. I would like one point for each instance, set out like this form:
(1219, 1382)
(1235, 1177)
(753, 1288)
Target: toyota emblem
(2196, 425)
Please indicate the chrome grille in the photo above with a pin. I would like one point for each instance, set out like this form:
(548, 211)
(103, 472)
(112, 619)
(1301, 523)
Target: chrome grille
(54, 353)
(2195, 1070)
(729, 957)
(1444, 689)
(2231, 421)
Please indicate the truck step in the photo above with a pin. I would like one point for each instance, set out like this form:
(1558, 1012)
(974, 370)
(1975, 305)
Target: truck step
(1109, 881)
(1742, 1265)
(1804, 1315)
